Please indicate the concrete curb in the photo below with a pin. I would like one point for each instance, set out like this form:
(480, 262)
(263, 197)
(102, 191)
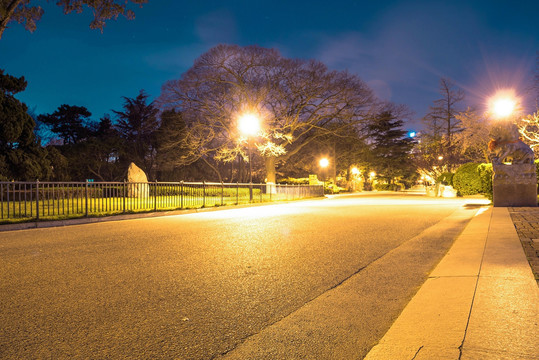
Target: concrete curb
(480, 302)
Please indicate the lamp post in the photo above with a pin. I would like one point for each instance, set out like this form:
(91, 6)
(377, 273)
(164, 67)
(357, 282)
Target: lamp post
(249, 125)
(324, 163)
(514, 182)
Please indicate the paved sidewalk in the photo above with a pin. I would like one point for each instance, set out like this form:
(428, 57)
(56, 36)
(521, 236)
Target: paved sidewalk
(526, 220)
(480, 302)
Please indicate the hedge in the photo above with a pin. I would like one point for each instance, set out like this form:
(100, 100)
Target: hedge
(467, 180)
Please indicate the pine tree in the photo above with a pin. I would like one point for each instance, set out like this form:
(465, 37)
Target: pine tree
(390, 146)
(21, 157)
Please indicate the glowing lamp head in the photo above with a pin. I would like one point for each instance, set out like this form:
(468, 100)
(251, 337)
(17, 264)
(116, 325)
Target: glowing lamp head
(324, 162)
(372, 174)
(504, 107)
(249, 124)
(504, 104)
(354, 171)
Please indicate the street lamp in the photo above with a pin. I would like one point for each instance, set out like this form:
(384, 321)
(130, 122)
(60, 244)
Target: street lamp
(249, 125)
(324, 163)
(503, 104)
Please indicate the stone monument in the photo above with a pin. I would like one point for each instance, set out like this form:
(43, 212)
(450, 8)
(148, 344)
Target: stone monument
(137, 182)
(514, 182)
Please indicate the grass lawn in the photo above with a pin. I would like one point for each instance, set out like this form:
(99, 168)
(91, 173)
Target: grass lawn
(77, 206)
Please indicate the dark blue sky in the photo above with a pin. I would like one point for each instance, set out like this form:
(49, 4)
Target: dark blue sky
(401, 48)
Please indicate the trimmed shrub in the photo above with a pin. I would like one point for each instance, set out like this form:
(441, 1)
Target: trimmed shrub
(445, 179)
(467, 180)
(387, 187)
(485, 173)
(295, 181)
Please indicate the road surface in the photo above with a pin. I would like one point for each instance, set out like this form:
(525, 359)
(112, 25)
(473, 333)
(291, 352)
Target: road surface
(310, 279)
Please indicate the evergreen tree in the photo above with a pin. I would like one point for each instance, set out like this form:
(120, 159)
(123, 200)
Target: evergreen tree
(68, 122)
(170, 145)
(103, 150)
(390, 146)
(21, 157)
(137, 125)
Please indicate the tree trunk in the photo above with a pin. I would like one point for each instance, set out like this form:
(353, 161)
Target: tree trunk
(270, 169)
(213, 168)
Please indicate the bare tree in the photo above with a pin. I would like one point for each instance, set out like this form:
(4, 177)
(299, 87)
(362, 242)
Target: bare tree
(441, 119)
(529, 129)
(472, 141)
(441, 124)
(296, 100)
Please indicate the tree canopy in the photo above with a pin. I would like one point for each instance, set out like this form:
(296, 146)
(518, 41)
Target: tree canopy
(27, 12)
(296, 101)
(68, 122)
(389, 144)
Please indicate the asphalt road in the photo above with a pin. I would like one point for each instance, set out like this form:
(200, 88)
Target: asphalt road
(312, 279)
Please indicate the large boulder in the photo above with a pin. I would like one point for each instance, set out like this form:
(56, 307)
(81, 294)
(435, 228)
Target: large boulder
(137, 182)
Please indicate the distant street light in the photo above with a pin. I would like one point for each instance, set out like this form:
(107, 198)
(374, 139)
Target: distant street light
(324, 163)
(249, 125)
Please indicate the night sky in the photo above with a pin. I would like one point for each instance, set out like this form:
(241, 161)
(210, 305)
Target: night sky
(401, 48)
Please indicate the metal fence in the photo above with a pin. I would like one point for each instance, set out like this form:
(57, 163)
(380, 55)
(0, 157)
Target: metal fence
(23, 201)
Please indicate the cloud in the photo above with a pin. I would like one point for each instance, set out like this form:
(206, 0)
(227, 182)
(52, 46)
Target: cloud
(217, 27)
(381, 89)
(404, 51)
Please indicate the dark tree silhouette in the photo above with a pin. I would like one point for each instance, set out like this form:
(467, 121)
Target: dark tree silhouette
(21, 157)
(390, 146)
(137, 125)
(68, 122)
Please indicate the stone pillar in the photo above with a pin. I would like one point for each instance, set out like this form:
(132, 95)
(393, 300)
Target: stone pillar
(514, 182)
(514, 185)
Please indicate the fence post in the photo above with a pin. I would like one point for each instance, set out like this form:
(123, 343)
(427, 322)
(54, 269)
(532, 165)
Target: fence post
(181, 194)
(204, 194)
(237, 192)
(86, 195)
(222, 193)
(155, 196)
(270, 189)
(37, 200)
(124, 195)
(261, 192)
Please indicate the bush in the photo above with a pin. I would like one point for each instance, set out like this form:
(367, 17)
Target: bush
(485, 173)
(295, 181)
(387, 187)
(445, 179)
(467, 180)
